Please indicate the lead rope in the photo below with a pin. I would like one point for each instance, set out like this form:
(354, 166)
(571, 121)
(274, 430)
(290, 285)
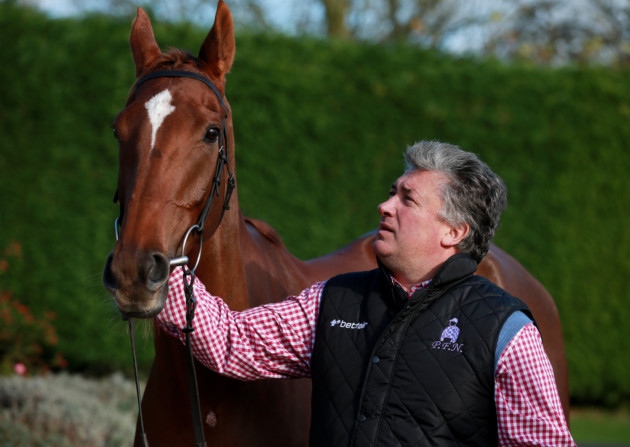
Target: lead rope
(143, 434)
(191, 304)
(132, 338)
(195, 407)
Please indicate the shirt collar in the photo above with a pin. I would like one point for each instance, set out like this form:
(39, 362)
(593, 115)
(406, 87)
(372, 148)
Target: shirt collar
(421, 285)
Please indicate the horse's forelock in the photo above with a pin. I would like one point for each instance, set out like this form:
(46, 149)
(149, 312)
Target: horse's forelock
(174, 58)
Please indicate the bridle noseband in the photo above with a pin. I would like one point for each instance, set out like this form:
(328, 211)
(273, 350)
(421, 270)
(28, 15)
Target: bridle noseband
(189, 274)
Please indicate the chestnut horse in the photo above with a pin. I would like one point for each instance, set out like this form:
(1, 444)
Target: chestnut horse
(173, 132)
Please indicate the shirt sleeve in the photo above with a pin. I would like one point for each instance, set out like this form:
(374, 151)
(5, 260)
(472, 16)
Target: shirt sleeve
(529, 411)
(269, 341)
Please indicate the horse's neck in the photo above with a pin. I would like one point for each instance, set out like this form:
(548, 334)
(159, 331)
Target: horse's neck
(221, 265)
(246, 263)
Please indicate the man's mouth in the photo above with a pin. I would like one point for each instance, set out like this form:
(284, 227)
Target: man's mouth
(383, 226)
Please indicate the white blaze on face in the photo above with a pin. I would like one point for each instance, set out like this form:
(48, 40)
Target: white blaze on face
(158, 107)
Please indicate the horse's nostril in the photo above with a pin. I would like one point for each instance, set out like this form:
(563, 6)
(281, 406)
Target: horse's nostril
(108, 278)
(159, 269)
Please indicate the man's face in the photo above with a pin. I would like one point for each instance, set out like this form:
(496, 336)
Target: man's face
(410, 233)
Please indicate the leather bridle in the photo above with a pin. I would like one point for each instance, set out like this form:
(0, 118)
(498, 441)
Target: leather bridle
(189, 274)
(222, 157)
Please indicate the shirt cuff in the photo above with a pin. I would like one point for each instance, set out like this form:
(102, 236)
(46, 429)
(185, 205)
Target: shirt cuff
(172, 318)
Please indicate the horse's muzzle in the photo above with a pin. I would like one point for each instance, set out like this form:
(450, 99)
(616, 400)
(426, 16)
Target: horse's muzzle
(139, 286)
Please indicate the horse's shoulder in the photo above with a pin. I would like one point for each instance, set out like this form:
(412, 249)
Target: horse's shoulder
(354, 256)
(505, 271)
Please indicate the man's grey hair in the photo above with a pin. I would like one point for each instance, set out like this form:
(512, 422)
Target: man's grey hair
(473, 194)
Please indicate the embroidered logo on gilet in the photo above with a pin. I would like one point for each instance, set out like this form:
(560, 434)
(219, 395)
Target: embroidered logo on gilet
(448, 338)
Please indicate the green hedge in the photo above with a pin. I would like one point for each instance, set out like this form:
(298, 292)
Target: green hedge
(320, 130)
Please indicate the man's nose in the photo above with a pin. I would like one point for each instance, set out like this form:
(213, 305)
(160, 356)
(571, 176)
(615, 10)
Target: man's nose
(385, 208)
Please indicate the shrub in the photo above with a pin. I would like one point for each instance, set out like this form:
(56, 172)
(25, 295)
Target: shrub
(64, 410)
(27, 342)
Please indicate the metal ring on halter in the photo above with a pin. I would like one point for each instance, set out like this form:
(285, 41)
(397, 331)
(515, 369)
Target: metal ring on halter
(183, 259)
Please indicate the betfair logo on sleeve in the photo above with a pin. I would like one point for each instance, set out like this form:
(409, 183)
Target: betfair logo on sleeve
(347, 325)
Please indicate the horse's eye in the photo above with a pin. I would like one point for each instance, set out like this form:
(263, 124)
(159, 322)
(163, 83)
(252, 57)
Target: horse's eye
(115, 133)
(212, 135)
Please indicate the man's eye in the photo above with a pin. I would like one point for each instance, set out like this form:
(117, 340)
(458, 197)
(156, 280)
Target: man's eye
(409, 200)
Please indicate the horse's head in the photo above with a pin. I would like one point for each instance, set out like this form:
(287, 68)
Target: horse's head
(175, 151)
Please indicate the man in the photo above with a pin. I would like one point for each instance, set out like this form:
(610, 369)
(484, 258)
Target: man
(416, 352)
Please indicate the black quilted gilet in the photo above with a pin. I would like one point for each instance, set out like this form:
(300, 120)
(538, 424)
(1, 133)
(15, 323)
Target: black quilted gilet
(388, 371)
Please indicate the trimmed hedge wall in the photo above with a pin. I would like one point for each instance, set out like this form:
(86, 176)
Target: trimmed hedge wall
(320, 130)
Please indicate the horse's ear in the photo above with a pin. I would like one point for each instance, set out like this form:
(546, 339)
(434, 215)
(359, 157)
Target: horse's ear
(217, 51)
(142, 41)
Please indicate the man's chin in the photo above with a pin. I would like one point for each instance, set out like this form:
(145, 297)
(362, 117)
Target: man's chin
(380, 248)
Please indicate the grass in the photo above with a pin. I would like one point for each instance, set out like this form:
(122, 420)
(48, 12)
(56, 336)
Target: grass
(593, 425)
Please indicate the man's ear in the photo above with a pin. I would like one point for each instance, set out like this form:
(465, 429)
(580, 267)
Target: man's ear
(455, 235)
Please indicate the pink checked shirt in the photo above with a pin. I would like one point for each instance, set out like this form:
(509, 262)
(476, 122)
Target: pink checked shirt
(276, 340)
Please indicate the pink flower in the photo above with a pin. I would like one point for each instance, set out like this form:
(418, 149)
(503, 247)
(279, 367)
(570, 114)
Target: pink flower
(20, 369)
